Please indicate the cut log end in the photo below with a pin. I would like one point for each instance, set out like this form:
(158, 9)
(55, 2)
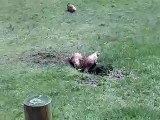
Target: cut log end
(38, 108)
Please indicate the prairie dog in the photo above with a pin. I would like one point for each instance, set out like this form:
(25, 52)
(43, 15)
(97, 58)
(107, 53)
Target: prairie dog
(83, 63)
(71, 8)
(75, 60)
(93, 57)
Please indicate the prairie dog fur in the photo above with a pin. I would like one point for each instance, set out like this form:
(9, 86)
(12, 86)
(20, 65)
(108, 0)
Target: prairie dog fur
(83, 63)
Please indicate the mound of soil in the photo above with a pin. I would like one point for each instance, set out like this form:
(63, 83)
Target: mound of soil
(46, 58)
(51, 57)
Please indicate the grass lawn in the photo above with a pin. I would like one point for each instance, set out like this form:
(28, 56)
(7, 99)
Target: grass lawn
(125, 32)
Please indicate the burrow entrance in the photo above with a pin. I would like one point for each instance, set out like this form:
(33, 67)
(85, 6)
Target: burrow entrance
(56, 58)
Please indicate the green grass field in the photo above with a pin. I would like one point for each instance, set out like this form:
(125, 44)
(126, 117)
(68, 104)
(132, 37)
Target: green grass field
(125, 32)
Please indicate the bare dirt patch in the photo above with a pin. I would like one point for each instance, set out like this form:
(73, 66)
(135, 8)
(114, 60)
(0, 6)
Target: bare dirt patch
(117, 74)
(46, 58)
(85, 80)
(52, 57)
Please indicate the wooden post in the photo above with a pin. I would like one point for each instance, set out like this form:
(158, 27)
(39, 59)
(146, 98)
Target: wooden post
(38, 108)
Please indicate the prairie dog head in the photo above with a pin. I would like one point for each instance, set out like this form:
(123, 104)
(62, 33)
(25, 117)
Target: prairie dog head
(93, 57)
(76, 59)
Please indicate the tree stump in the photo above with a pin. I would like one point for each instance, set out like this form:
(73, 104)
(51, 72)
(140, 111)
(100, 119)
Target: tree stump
(38, 108)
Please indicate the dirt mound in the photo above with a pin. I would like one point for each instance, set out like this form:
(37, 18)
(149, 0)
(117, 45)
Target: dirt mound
(49, 57)
(46, 58)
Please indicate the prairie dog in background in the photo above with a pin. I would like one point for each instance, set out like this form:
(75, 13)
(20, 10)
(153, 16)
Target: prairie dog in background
(71, 8)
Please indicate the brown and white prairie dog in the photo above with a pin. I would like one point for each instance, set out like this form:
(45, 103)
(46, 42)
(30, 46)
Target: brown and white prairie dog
(71, 8)
(83, 63)
(75, 60)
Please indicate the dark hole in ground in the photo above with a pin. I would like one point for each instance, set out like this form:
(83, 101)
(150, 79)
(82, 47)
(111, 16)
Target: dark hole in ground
(106, 70)
(97, 69)
(101, 70)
